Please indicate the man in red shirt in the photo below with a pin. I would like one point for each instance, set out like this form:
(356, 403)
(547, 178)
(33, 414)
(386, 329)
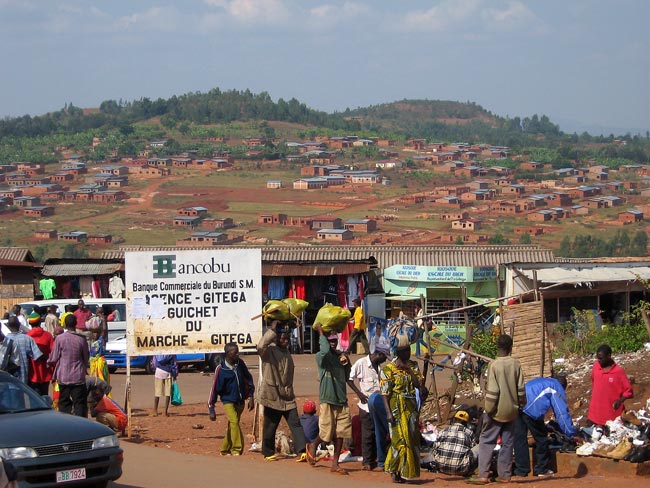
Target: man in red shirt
(83, 313)
(610, 387)
(108, 412)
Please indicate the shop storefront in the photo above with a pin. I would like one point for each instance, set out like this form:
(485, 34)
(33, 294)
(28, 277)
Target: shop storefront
(443, 288)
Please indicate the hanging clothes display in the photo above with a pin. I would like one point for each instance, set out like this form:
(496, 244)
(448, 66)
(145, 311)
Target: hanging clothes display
(277, 288)
(342, 291)
(116, 287)
(96, 288)
(353, 287)
(86, 287)
(47, 286)
(297, 289)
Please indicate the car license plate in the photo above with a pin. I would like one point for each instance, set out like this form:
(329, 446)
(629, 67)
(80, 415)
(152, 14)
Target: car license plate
(70, 475)
(110, 361)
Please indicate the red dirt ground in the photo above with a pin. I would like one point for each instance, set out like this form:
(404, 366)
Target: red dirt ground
(189, 430)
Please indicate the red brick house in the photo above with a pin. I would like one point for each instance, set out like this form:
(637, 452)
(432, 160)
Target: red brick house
(334, 235)
(326, 223)
(38, 211)
(192, 211)
(449, 217)
(466, 224)
(46, 235)
(361, 225)
(100, 239)
(630, 216)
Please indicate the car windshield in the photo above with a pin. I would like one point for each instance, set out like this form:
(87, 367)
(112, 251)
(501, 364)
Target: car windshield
(17, 397)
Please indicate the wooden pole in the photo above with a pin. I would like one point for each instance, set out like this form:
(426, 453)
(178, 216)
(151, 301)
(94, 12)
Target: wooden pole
(461, 349)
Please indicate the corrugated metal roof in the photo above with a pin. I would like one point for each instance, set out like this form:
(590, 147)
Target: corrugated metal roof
(385, 256)
(588, 274)
(81, 269)
(269, 269)
(16, 254)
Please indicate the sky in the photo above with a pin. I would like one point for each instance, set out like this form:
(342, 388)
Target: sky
(584, 63)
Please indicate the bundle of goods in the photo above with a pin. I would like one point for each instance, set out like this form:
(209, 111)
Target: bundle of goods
(402, 332)
(333, 318)
(283, 310)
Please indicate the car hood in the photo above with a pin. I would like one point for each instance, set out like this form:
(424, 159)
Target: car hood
(44, 427)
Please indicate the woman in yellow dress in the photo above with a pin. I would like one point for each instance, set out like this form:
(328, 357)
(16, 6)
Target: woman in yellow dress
(399, 381)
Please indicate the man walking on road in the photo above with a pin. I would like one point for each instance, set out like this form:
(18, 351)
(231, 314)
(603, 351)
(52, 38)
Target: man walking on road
(275, 391)
(334, 423)
(234, 384)
(70, 359)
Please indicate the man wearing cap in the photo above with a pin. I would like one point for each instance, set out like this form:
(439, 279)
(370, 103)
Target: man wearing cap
(456, 451)
(275, 391)
(366, 372)
(334, 423)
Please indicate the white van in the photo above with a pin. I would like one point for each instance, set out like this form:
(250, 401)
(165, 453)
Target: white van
(116, 327)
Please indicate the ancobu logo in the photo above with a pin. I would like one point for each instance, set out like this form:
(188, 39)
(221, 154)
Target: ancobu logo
(165, 267)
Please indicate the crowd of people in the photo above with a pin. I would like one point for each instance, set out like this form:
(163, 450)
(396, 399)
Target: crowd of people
(391, 390)
(63, 354)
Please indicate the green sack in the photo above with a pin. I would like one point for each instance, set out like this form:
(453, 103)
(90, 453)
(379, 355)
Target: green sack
(176, 394)
(296, 306)
(276, 310)
(333, 318)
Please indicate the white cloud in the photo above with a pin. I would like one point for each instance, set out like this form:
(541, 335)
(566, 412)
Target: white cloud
(253, 11)
(441, 17)
(156, 18)
(513, 17)
(470, 18)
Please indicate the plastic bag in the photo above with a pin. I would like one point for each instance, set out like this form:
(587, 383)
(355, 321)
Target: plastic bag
(276, 310)
(333, 318)
(296, 306)
(176, 394)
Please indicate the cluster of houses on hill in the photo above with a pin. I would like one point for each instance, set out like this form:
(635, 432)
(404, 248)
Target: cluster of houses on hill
(197, 217)
(29, 188)
(325, 228)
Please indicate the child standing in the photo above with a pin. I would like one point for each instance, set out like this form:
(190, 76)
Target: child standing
(98, 366)
(234, 384)
(165, 374)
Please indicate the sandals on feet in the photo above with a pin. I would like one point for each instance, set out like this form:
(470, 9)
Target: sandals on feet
(477, 481)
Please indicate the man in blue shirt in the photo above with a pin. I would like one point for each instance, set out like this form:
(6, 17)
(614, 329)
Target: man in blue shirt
(542, 394)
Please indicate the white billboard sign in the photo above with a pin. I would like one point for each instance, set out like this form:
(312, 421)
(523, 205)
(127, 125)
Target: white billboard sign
(192, 301)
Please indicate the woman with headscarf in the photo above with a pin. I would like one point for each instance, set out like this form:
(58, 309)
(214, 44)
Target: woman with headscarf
(399, 381)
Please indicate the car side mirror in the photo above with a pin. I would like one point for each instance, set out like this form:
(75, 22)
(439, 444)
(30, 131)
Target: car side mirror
(48, 400)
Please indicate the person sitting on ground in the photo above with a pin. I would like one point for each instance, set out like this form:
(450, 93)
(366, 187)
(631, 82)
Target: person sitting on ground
(309, 421)
(456, 450)
(107, 411)
(542, 394)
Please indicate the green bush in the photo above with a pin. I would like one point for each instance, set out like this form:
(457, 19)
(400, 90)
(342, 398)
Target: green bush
(484, 343)
(582, 337)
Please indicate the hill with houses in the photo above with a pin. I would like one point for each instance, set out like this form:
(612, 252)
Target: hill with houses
(161, 181)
